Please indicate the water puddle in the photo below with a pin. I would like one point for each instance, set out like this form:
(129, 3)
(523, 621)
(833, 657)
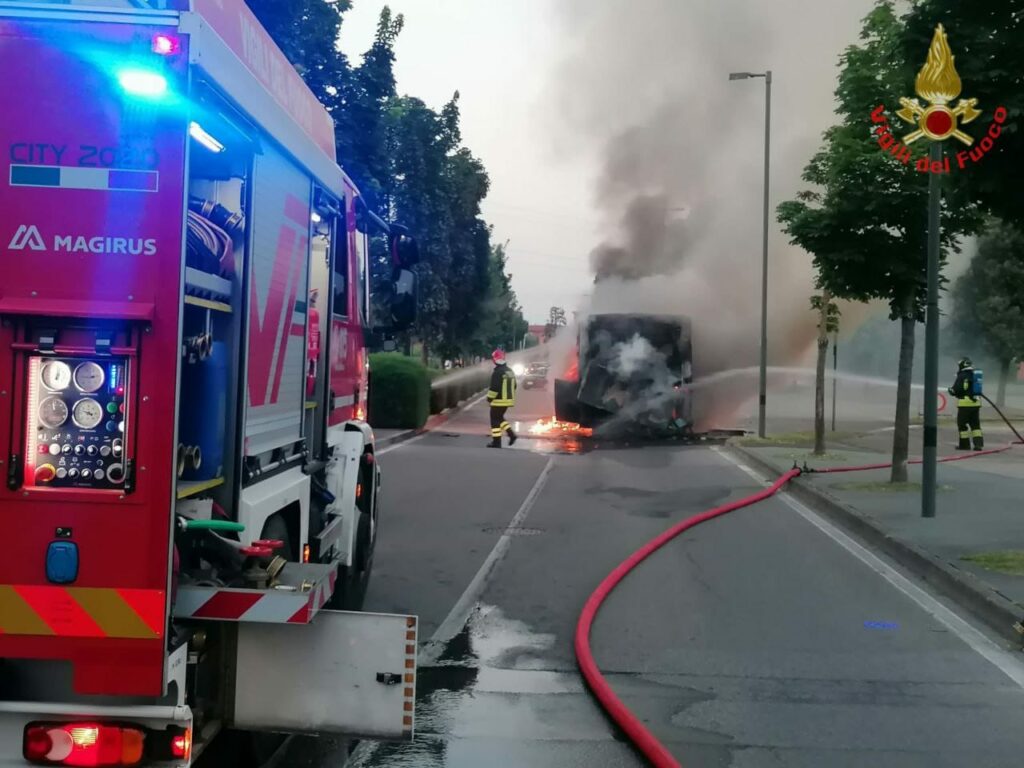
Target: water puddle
(489, 684)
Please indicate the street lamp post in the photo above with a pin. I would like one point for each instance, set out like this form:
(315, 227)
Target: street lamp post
(763, 386)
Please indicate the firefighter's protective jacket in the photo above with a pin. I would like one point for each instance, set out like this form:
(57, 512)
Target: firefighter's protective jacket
(503, 387)
(963, 389)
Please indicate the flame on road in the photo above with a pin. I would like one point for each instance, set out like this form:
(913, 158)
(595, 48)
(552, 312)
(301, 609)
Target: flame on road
(556, 428)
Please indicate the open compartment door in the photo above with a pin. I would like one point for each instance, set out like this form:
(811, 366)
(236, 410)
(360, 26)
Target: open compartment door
(346, 673)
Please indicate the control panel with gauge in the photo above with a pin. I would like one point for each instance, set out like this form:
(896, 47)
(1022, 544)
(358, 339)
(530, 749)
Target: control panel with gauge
(76, 422)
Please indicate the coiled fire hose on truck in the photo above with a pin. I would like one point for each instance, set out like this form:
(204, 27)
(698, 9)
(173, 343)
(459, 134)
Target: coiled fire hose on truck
(637, 733)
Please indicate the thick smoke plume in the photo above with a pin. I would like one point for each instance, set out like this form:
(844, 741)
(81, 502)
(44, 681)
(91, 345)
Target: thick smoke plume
(645, 87)
(633, 355)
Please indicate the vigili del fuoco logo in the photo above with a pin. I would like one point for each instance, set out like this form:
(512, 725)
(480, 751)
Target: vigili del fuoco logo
(937, 85)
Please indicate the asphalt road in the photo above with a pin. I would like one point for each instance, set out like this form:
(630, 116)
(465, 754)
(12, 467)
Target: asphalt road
(757, 639)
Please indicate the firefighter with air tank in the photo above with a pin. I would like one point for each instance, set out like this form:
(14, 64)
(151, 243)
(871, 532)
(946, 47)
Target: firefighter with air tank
(967, 390)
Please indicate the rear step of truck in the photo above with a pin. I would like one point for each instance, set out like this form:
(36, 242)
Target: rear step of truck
(295, 597)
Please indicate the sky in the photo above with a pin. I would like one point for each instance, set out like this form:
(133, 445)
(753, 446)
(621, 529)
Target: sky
(548, 86)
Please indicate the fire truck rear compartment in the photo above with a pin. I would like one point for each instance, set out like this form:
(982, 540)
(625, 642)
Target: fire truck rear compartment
(228, 434)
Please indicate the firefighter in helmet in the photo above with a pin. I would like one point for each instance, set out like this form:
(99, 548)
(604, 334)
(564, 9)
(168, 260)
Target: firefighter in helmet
(501, 396)
(968, 407)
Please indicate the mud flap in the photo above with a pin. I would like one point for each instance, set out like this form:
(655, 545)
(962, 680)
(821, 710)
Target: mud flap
(346, 673)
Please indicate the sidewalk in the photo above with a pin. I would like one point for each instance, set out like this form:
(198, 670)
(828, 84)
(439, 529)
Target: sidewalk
(978, 513)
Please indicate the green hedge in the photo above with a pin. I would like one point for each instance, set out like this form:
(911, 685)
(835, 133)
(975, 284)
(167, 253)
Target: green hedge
(399, 392)
(403, 392)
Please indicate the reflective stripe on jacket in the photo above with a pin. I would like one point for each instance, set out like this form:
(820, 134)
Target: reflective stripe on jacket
(503, 387)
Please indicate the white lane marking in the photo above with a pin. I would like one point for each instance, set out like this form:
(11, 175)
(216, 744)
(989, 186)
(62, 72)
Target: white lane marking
(457, 617)
(460, 612)
(412, 440)
(1003, 660)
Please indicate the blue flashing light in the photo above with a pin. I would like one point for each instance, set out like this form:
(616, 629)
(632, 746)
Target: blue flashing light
(142, 82)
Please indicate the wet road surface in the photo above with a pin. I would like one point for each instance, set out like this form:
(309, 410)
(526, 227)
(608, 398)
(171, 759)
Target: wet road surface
(754, 640)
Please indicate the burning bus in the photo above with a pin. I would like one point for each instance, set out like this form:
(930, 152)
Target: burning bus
(629, 375)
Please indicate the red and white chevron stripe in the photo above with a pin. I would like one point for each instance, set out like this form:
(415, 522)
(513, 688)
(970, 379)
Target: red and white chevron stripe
(268, 606)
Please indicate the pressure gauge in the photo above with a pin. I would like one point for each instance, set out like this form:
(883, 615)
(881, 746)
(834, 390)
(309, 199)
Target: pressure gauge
(55, 375)
(87, 413)
(89, 377)
(53, 412)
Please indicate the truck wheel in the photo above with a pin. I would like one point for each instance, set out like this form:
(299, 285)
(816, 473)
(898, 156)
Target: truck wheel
(567, 406)
(277, 528)
(589, 416)
(246, 749)
(353, 581)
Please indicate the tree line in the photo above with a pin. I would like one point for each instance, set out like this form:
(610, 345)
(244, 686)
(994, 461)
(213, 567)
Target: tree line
(409, 162)
(863, 214)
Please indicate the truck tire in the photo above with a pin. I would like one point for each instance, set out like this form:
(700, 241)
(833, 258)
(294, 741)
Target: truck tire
(567, 406)
(245, 749)
(589, 416)
(277, 528)
(353, 581)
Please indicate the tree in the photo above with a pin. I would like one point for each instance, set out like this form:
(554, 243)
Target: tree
(556, 320)
(357, 97)
(988, 300)
(363, 100)
(469, 241)
(436, 188)
(419, 142)
(828, 323)
(864, 219)
(307, 31)
(502, 323)
(407, 161)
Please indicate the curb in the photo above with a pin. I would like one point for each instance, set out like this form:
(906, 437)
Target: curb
(969, 592)
(433, 422)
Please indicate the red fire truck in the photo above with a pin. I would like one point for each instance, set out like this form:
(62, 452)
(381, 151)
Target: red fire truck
(191, 489)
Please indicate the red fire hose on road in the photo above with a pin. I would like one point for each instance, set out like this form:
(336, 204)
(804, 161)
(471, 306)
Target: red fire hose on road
(643, 739)
(656, 752)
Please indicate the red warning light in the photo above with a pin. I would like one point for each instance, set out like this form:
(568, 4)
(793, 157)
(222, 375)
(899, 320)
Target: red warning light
(166, 45)
(181, 745)
(83, 744)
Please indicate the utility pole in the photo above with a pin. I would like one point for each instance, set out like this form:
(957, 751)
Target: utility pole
(763, 391)
(931, 340)
(762, 395)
